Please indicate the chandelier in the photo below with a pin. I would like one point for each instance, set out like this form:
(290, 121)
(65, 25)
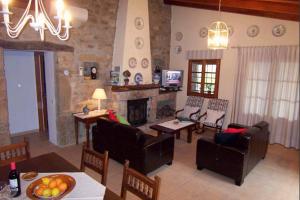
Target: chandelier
(218, 34)
(39, 21)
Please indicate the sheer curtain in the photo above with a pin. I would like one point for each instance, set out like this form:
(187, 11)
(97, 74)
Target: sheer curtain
(267, 88)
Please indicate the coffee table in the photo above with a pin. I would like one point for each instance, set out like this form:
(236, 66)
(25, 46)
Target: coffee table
(174, 128)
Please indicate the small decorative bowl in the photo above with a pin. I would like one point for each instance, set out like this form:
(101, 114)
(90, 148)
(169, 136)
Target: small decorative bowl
(29, 176)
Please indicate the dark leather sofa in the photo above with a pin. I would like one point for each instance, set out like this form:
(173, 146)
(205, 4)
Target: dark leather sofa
(145, 152)
(237, 160)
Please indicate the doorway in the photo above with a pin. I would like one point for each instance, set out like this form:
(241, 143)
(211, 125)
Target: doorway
(26, 92)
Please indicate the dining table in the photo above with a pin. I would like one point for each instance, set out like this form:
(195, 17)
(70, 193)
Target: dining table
(49, 163)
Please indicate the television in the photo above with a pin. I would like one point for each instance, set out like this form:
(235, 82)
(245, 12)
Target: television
(172, 78)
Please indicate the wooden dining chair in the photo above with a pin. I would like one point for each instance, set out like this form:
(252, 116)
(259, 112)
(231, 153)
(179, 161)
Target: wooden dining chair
(95, 161)
(139, 184)
(14, 153)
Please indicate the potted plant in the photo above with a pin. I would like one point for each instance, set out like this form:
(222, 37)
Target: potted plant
(126, 75)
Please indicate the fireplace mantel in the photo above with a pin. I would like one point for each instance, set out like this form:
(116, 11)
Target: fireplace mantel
(127, 88)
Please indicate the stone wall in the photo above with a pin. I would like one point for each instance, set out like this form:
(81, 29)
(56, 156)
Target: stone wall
(166, 105)
(4, 131)
(93, 42)
(160, 32)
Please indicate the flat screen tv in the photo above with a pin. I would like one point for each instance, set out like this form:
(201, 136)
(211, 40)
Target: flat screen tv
(172, 78)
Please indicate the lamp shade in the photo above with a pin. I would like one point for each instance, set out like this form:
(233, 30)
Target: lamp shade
(99, 94)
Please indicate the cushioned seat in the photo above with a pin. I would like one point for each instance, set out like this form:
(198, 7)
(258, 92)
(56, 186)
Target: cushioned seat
(145, 152)
(237, 159)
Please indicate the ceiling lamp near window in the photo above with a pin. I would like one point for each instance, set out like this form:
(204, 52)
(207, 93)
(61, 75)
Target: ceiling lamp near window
(218, 34)
(39, 21)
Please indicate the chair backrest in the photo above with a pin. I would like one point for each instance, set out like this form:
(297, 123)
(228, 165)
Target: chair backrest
(95, 161)
(194, 101)
(218, 104)
(14, 153)
(139, 184)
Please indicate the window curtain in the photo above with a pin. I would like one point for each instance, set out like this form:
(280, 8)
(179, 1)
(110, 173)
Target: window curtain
(204, 54)
(267, 88)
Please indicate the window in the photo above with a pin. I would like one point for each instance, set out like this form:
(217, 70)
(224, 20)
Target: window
(203, 78)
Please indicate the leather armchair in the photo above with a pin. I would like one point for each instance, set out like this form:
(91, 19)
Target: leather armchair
(238, 160)
(145, 152)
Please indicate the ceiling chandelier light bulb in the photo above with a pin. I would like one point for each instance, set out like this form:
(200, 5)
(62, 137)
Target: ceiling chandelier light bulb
(67, 18)
(39, 21)
(59, 7)
(218, 34)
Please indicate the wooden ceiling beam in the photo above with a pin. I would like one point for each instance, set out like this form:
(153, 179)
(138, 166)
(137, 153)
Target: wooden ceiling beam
(280, 9)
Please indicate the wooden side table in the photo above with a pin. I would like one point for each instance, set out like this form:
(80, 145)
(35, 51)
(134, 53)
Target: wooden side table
(88, 119)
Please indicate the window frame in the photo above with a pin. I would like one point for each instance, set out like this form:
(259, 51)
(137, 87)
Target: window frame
(204, 62)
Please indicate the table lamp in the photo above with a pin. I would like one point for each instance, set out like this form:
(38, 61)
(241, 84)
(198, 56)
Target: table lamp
(99, 94)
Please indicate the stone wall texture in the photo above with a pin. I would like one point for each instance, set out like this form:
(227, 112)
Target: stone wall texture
(93, 42)
(160, 15)
(4, 130)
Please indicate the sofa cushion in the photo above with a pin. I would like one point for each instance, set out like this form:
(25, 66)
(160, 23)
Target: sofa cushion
(122, 120)
(226, 139)
(212, 116)
(128, 134)
(235, 130)
(188, 110)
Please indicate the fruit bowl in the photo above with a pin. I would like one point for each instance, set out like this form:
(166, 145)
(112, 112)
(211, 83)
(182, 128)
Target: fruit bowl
(52, 187)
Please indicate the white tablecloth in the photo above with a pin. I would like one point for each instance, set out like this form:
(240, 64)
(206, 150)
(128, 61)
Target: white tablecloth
(173, 126)
(86, 188)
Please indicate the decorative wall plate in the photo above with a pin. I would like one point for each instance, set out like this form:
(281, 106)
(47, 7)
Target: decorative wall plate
(230, 30)
(278, 30)
(139, 42)
(178, 36)
(253, 31)
(203, 32)
(132, 62)
(178, 49)
(138, 78)
(139, 23)
(145, 63)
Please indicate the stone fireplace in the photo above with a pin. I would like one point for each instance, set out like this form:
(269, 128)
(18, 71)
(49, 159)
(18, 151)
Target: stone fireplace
(122, 98)
(137, 111)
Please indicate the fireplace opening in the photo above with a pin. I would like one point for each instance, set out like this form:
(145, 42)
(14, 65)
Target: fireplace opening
(137, 111)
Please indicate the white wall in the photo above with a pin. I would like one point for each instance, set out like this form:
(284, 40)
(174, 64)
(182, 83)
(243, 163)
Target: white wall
(21, 91)
(51, 102)
(190, 20)
(126, 34)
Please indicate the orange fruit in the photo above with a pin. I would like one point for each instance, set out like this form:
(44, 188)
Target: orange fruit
(52, 184)
(58, 181)
(39, 191)
(62, 187)
(43, 186)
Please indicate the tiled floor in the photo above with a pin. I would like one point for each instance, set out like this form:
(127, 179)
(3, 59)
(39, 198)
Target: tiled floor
(276, 177)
